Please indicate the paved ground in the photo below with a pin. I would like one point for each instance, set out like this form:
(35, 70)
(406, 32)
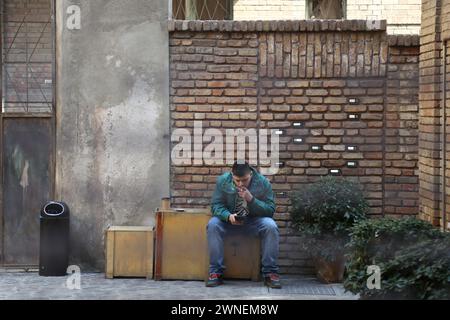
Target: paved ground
(94, 286)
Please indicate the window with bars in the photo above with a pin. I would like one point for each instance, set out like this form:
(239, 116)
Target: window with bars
(27, 56)
(326, 9)
(202, 9)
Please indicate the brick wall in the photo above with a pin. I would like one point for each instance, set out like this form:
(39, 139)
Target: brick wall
(429, 126)
(277, 74)
(401, 127)
(446, 172)
(435, 28)
(445, 28)
(27, 37)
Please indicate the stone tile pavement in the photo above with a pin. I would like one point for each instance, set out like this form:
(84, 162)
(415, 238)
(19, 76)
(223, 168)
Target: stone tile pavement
(94, 286)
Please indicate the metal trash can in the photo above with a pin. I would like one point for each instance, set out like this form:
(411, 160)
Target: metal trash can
(54, 239)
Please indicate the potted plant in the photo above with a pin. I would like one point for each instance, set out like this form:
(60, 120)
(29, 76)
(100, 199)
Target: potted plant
(323, 213)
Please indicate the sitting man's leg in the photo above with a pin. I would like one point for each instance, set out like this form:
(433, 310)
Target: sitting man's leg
(270, 238)
(215, 232)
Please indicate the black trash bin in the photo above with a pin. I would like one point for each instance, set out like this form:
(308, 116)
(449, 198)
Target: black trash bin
(54, 239)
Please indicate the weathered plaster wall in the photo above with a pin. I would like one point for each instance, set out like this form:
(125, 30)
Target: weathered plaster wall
(112, 163)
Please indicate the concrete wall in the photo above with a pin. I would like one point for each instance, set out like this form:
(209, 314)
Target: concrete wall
(112, 163)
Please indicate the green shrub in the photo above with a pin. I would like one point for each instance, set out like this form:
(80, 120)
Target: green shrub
(330, 206)
(388, 243)
(324, 212)
(421, 271)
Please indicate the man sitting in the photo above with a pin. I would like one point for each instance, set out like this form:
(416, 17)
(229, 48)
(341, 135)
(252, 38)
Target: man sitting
(243, 201)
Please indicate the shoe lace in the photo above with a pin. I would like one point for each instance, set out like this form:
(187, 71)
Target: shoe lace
(214, 276)
(274, 277)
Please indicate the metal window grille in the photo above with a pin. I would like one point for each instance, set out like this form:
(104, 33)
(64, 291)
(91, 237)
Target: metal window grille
(202, 9)
(27, 57)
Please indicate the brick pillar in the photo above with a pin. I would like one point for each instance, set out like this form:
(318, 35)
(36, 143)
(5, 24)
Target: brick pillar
(401, 127)
(445, 38)
(430, 113)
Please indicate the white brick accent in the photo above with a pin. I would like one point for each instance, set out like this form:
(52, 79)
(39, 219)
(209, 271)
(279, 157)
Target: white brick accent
(403, 16)
(396, 12)
(269, 10)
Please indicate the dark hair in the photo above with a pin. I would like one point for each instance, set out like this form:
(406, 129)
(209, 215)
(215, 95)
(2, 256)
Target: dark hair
(240, 169)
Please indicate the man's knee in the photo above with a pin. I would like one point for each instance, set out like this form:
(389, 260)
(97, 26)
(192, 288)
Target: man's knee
(214, 225)
(269, 225)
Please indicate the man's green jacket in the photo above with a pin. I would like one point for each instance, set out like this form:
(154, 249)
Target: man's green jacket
(223, 200)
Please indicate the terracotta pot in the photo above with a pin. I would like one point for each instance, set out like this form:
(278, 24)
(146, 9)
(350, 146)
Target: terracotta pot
(330, 271)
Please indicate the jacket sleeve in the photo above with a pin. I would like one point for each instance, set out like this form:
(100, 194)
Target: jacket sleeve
(218, 207)
(265, 205)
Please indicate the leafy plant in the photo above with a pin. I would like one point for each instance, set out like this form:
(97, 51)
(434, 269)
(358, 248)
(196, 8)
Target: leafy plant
(330, 206)
(421, 271)
(412, 254)
(324, 212)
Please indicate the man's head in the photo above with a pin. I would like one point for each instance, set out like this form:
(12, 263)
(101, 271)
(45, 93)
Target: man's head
(242, 174)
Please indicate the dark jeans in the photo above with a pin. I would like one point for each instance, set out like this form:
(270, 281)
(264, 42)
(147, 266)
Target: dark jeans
(265, 227)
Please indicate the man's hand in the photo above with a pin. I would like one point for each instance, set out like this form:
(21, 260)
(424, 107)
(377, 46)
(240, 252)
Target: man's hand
(245, 194)
(233, 221)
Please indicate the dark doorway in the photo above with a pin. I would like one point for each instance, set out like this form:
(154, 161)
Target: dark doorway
(26, 126)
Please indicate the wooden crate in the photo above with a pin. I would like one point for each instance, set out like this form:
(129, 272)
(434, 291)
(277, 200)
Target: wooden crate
(181, 244)
(129, 252)
(242, 257)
